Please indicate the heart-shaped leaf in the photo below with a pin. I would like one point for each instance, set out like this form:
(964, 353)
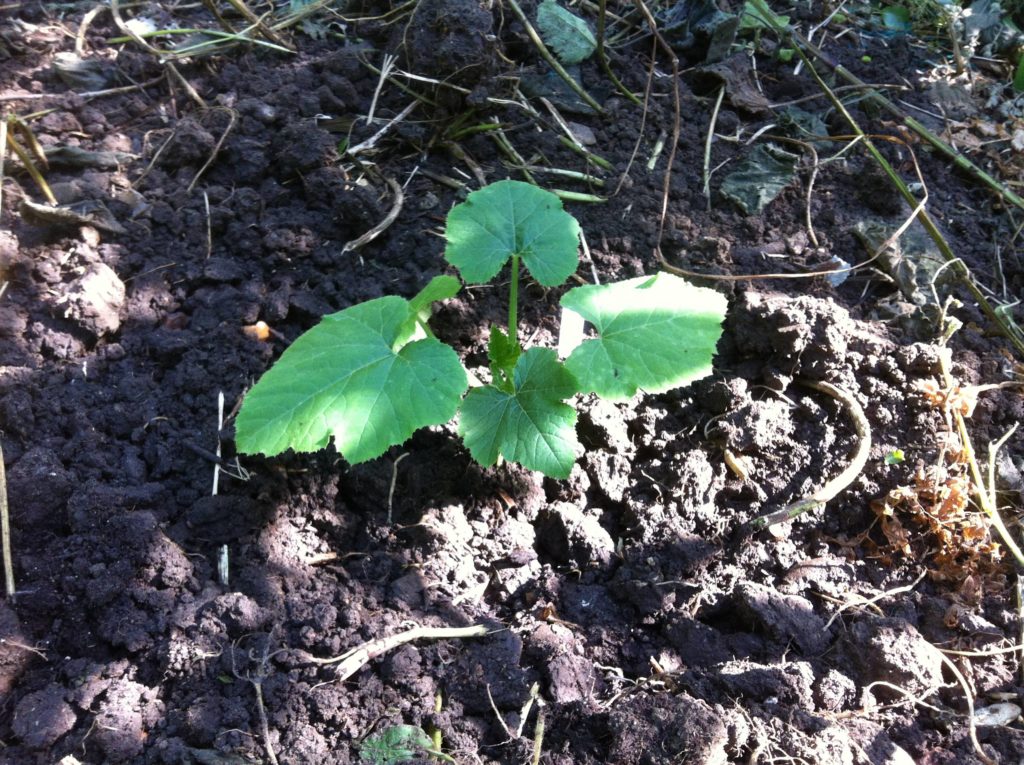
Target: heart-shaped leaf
(530, 426)
(353, 378)
(512, 218)
(655, 333)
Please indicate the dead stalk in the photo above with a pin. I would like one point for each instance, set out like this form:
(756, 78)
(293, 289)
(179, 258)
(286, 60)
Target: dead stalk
(352, 661)
(865, 603)
(5, 532)
(370, 142)
(232, 119)
(223, 559)
(3, 155)
(256, 680)
(707, 144)
(971, 728)
(373, 233)
(677, 114)
(385, 71)
(394, 480)
(985, 496)
(538, 737)
(258, 23)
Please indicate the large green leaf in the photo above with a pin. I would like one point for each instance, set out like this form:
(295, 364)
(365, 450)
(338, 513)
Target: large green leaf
(655, 333)
(512, 217)
(353, 378)
(530, 426)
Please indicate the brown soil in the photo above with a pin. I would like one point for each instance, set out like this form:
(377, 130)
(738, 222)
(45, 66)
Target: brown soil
(627, 597)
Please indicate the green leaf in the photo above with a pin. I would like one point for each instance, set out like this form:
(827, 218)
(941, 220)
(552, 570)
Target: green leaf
(760, 16)
(352, 377)
(655, 333)
(531, 425)
(503, 353)
(565, 33)
(1018, 76)
(512, 217)
(421, 306)
(394, 745)
(896, 18)
(759, 178)
(895, 457)
(439, 288)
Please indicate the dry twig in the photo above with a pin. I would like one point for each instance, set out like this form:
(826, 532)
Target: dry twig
(352, 661)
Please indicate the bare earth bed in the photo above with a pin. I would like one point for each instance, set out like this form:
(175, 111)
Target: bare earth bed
(627, 602)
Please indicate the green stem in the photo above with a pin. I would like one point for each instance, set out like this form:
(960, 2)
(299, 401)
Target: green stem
(513, 299)
(603, 57)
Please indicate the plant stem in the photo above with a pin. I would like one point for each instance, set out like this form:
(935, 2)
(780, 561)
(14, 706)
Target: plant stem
(513, 299)
(602, 57)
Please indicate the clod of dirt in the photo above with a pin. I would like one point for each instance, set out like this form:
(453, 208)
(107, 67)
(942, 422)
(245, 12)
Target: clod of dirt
(238, 613)
(799, 336)
(300, 148)
(449, 40)
(649, 730)
(893, 650)
(834, 691)
(38, 486)
(191, 144)
(784, 617)
(41, 718)
(875, 742)
(568, 535)
(122, 719)
(223, 518)
(771, 684)
(13, 322)
(569, 674)
(94, 300)
(13, 658)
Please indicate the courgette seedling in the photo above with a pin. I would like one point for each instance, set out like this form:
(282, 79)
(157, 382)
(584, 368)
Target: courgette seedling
(372, 374)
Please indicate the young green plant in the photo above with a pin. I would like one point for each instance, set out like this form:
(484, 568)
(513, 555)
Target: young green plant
(372, 374)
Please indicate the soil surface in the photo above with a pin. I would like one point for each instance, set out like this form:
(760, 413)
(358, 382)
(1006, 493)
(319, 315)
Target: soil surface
(627, 602)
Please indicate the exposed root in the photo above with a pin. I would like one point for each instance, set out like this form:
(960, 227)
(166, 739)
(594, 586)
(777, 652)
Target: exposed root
(352, 661)
(232, 119)
(5, 532)
(841, 481)
(373, 233)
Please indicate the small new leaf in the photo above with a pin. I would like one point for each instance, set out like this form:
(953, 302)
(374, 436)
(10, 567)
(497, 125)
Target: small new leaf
(503, 353)
(439, 288)
(352, 377)
(655, 333)
(530, 425)
(895, 457)
(512, 217)
(421, 307)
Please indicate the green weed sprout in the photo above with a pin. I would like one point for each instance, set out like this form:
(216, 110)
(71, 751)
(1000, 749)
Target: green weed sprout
(398, 744)
(372, 374)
